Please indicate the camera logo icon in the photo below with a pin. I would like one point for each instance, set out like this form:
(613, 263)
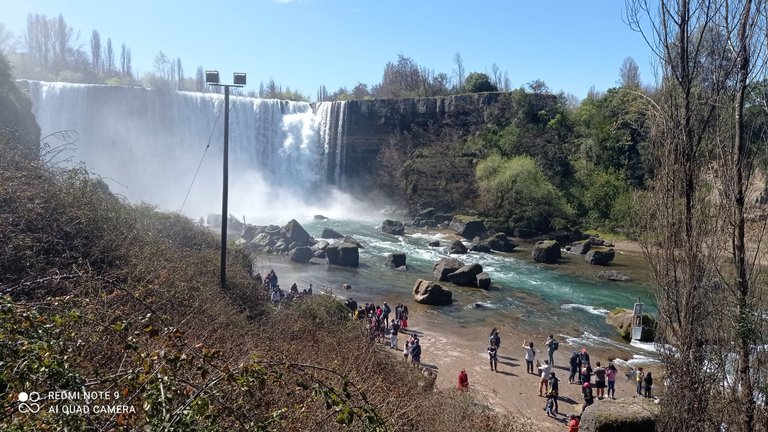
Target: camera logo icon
(28, 402)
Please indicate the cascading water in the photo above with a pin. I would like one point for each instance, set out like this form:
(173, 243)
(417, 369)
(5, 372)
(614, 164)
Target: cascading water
(148, 143)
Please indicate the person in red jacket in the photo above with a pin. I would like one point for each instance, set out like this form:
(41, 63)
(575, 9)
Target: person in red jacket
(573, 425)
(463, 380)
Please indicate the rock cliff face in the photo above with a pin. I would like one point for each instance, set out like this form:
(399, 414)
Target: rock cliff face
(370, 123)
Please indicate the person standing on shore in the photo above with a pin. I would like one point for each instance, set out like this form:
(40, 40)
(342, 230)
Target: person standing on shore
(406, 349)
(574, 363)
(416, 352)
(404, 318)
(585, 365)
(495, 339)
(530, 354)
(463, 380)
(492, 356)
(544, 382)
(610, 374)
(552, 346)
(554, 390)
(600, 381)
(648, 380)
(639, 379)
(394, 330)
(385, 310)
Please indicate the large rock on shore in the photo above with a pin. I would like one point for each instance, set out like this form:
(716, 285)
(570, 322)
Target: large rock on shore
(468, 227)
(293, 232)
(597, 257)
(430, 293)
(466, 275)
(621, 319)
(457, 247)
(446, 266)
(330, 233)
(620, 415)
(343, 254)
(392, 227)
(546, 251)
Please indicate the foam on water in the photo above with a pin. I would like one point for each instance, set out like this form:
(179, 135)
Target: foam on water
(591, 309)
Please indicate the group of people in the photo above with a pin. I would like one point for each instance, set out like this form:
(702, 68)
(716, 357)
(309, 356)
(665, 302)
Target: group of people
(276, 294)
(379, 325)
(581, 373)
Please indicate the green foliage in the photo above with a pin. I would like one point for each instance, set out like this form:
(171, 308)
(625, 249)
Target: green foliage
(517, 187)
(16, 119)
(612, 133)
(478, 82)
(604, 198)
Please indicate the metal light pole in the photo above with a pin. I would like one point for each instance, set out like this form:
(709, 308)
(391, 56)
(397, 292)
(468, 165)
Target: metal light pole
(212, 78)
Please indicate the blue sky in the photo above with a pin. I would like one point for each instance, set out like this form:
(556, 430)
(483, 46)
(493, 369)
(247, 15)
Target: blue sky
(571, 45)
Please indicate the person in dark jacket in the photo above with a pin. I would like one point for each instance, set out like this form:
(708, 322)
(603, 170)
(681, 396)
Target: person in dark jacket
(648, 381)
(574, 362)
(554, 390)
(416, 352)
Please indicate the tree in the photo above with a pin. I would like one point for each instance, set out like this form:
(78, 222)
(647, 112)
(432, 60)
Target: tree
(109, 59)
(517, 187)
(629, 74)
(402, 78)
(96, 51)
(478, 82)
(8, 43)
(709, 52)
(538, 86)
(458, 71)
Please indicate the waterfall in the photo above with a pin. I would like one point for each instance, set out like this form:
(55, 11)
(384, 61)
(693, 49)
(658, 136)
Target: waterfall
(332, 115)
(147, 144)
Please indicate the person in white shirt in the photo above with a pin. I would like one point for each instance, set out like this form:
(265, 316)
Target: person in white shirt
(530, 354)
(544, 383)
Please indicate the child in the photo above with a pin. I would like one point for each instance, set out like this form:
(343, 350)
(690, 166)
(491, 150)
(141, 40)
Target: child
(573, 425)
(463, 380)
(586, 392)
(648, 384)
(550, 406)
(492, 354)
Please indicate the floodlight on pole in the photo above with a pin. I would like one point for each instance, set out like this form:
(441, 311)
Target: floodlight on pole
(212, 78)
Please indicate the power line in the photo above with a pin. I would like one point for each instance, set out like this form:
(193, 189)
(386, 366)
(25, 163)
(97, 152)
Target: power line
(201, 158)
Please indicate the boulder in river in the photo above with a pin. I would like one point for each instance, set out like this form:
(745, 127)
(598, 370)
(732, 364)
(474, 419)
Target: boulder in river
(301, 254)
(430, 293)
(546, 251)
(293, 232)
(396, 260)
(483, 280)
(330, 233)
(343, 254)
(581, 247)
(613, 276)
(466, 275)
(621, 320)
(597, 257)
(445, 266)
(392, 227)
(457, 247)
(501, 243)
(478, 245)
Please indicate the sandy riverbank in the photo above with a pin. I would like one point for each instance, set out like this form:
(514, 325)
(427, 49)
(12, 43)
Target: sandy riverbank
(448, 348)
